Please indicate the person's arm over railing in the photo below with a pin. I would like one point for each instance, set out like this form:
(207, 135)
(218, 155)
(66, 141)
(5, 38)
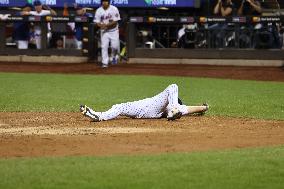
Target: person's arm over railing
(217, 7)
(221, 9)
(255, 5)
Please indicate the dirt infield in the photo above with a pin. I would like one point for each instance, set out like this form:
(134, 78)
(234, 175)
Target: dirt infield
(64, 134)
(61, 134)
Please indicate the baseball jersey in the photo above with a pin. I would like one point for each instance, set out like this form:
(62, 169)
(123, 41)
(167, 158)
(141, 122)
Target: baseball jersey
(79, 28)
(21, 30)
(106, 16)
(42, 13)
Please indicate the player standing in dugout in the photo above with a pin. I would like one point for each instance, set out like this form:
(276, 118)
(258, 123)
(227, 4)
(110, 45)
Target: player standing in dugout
(106, 18)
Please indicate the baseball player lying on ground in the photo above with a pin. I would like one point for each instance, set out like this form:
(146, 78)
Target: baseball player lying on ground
(164, 105)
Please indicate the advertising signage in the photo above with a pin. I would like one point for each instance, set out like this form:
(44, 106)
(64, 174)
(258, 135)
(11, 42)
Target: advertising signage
(96, 3)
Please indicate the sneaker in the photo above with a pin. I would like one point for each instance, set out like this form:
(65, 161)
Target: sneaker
(174, 114)
(85, 110)
(104, 66)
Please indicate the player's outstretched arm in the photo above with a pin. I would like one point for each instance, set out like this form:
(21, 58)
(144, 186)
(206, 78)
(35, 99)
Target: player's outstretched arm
(197, 109)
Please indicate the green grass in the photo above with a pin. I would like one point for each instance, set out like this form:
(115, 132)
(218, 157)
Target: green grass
(250, 168)
(55, 92)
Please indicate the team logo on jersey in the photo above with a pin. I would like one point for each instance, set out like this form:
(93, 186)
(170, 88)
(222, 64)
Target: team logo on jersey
(106, 17)
(35, 18)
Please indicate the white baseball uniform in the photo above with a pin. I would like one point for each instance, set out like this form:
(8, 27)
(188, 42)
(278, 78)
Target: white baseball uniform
(147, 108)
(37, 27)
(111, 35)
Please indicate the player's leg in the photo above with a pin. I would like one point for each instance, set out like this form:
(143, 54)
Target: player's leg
(168, 98)
(167, 101)
(172, 91)
(104, 45)
(174, 110)
(38, 38)
(112, 113)
(79, 44)
(115, 46)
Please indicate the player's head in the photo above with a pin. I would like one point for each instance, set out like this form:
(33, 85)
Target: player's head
(79, 10)
(105, 3)
(27, 7)
(38, 5)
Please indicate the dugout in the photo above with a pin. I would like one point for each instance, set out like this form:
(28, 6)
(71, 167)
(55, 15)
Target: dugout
(138, 25)
(162, 20)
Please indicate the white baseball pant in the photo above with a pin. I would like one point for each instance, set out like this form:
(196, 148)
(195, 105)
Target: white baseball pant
(111, 37)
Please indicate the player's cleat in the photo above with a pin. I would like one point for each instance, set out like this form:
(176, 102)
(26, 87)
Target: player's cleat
(104, 66)
(114, 61)
(85, 110)
(174, 114)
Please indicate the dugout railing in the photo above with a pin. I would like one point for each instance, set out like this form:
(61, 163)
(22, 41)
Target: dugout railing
(89, 43)
(137, 25)
(90, 38)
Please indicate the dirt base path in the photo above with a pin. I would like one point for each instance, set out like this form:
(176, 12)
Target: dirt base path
(228, 72)
(70, 134)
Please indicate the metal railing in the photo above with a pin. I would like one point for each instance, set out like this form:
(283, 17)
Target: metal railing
(207, 32)
(88, 40)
